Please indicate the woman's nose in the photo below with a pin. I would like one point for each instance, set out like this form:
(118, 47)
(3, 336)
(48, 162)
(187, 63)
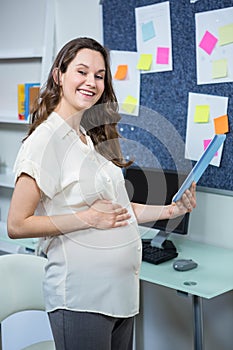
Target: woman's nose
(90, 80)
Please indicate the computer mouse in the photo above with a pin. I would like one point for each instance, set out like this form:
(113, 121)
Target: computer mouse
(184, 264)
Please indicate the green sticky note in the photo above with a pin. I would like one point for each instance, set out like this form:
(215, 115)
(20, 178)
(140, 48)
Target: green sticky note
(225, 34)
(219, 69)
(129, 104)
(202, 113)
(145, 61)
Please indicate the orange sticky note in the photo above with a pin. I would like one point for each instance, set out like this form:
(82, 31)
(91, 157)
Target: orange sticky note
(221, 124)
(121, 72)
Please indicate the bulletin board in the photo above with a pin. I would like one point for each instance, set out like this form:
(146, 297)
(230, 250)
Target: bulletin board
(164, 95)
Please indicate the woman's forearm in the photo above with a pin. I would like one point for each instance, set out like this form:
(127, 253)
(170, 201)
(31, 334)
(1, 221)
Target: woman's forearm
(147, 213)
(41, 226)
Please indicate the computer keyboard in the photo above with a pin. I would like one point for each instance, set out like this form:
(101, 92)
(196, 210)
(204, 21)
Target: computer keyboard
(156, 255)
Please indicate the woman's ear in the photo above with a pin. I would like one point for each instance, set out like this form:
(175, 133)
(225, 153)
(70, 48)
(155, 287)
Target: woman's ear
(57, 76)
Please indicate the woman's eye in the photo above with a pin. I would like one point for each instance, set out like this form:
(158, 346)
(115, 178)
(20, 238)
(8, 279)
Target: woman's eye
(99, 77)
(81, 72)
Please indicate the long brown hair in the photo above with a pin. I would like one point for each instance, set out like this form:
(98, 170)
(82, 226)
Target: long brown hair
(100, 121)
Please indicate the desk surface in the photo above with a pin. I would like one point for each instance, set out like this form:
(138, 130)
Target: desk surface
(212, 277)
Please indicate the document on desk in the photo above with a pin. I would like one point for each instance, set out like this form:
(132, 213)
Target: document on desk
(201, 165)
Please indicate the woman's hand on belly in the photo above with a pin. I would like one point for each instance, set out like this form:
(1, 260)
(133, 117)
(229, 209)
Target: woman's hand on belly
(104, 214)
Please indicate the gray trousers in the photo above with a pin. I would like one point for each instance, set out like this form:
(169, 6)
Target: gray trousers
(73, 330)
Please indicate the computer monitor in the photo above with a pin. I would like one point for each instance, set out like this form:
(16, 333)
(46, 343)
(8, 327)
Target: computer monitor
(157, 186)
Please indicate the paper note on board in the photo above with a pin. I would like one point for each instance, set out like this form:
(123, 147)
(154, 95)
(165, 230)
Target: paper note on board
(197, 132)
(206, 144)
(148, 31)
(221, 124)
(162, 55)
(130, 85)
(208, 42)
(121, 72)
(129, 104)
(153, 29)
(225, 34)
(219, 23)
(202, 113)
(145, 61)
(219, 69)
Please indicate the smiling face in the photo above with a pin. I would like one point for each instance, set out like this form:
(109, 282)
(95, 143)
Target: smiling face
(83, 82)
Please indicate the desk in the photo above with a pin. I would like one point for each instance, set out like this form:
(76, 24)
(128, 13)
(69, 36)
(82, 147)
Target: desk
(212, 277)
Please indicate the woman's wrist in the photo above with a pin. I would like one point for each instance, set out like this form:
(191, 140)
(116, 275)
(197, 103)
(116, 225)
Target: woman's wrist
(84, 219)
(170, 211)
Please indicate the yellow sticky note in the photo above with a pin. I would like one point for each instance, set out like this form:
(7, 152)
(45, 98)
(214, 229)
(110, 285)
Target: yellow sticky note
(121, 72)
(221, 124)
(145, 61)
(225, 34)
(202, 113)
(219, 69)
(129, 104)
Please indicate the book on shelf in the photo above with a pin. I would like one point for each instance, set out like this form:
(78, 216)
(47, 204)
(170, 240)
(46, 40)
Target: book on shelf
(21, 99)
(27, 94)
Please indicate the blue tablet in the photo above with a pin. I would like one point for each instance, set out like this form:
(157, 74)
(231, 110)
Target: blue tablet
(201, 165)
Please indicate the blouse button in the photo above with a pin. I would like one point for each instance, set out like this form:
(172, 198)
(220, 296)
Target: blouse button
(139, 249)
(108, 179)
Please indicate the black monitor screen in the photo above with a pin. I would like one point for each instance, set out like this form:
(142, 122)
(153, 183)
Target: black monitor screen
(156, 186)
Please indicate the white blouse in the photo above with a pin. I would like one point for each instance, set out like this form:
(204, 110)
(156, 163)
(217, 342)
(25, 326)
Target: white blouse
(87, 270)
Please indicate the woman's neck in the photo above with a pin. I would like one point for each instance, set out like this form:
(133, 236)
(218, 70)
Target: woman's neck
(73, 120)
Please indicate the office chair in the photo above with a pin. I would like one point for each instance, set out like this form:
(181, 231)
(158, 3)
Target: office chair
(21, 278)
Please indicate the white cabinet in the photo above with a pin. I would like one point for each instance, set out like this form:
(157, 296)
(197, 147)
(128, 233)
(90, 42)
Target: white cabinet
(26, 53)
(26, 50)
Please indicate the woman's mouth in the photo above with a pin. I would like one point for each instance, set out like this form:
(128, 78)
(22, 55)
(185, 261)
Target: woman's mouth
(86, 93)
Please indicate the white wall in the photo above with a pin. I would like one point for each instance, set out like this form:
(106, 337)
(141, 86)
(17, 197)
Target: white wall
(212, 220)
(76, 18)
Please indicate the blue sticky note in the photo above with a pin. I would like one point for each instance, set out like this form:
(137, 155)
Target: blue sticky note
(199, 168)
(148, 31)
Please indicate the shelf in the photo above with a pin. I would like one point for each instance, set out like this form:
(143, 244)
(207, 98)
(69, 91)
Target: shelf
(7, 179)
(25, 57)
(24, 54)
(12, 120)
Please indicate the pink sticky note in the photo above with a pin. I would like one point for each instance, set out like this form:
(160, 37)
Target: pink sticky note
(162, 55)
(208, 42)
(206, 144)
